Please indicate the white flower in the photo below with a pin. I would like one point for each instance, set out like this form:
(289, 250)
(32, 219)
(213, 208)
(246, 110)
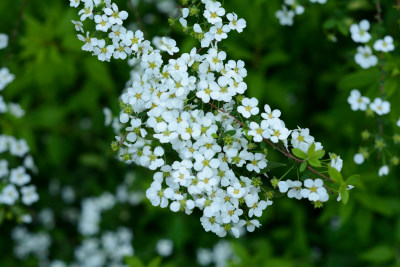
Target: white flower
(185, 12)
(213, 12)
(269, 114)
(283, 186)
(102, 23)
(78, 25)
(380, 107)
(398, 123)
(234, 23)
(358, 158)
(115, 17)
(164, 247)
(236, 191)
(5, 78)
(90, 43)
(294, 189)
(86, 12)
(74, 3)
(319, 1)
(9, 195)
(285, 16)
(385, 45)
(169, 45)
(252, 224)
(257, 132)
(365, 58)
(359, 32)
(248, 107)
(257, 162)
(103, 52)
(357, 101)
(384, 170)
(302, 139)
(298, 9)
(3, 40)
(220, 31)
(3, 168)
(19, 147)
(155, 194)
(29, 195)
(336, 162)
(19, 177)
(278, 132)
(314, 190)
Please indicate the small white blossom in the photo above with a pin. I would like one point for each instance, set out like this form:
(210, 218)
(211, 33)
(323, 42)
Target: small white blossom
(3, 40)
(385, 44)
(357, 101)
(384, 170)
(380, 106)
(365, 58)
(359, 32)
(248, 107)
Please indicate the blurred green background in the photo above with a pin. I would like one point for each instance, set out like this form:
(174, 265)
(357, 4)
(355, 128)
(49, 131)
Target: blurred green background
(295, 69)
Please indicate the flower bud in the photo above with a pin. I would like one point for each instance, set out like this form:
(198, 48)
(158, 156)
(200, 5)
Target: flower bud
(365, 135)
(274, 182)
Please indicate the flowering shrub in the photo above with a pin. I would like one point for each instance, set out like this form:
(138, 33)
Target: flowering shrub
(15, 162)
(197, 127)
(193, 109)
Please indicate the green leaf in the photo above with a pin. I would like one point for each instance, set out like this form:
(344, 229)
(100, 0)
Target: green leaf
(314, 162)
(303, 166)
(298, 153)
(354, 179)
(329, 24)
(231, 132)
(311, 149)
(379, 254)
(134, 262)
(359, 79)
(344, 193)
(317, 154)
(214, 135)
(155, 262)
(335, 175)
(272, 165)
(374, 203)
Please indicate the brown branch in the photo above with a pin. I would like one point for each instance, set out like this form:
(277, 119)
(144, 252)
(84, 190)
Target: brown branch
(379, 11)
(287, 154)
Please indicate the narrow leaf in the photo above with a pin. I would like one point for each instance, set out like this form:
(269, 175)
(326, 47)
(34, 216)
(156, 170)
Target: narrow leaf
(335, 175)
(298, 153)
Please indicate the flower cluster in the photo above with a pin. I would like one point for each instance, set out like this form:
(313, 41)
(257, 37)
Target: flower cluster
(7, 77)
(186, 118)
(219, 255)
(30, 244)
(364, 57)
(290, 9)
(380, 105)
(359, 102)
(15, 161)
(98, 247)
(12, 177)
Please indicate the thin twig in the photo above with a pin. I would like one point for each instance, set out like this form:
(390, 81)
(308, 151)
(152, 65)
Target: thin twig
(138, 19)
(379, 11)
(287, 154)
